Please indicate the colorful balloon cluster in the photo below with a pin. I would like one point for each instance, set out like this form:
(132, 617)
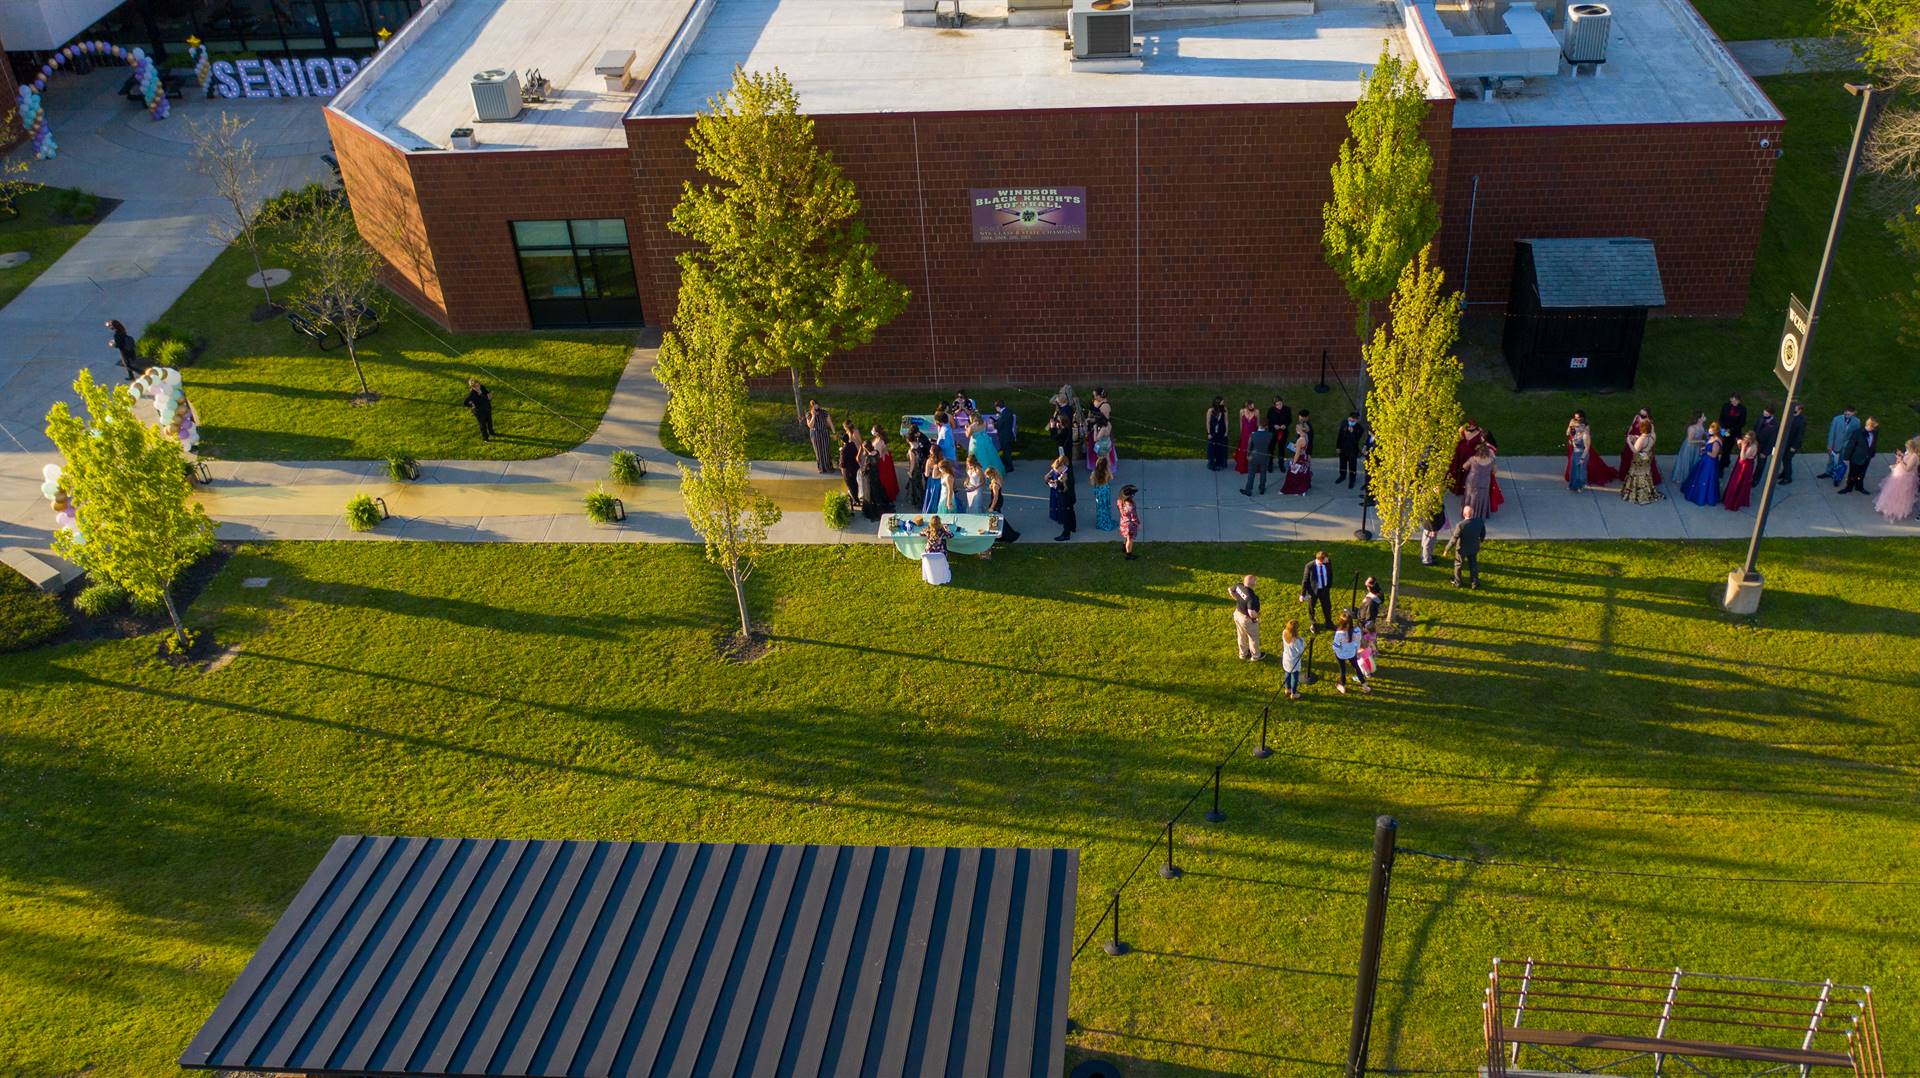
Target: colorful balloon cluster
(202, 67)
(172, 412)
(66, 516)
(32, 110)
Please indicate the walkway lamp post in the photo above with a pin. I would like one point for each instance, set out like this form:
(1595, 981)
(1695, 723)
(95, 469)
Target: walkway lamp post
(1744, 584)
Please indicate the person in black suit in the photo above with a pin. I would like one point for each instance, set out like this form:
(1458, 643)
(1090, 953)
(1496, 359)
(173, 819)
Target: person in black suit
(1316, 586)
(1766, 434)
(1260, 457)
(1279, 418)
(1465, 547)
(1796, 433)
(480, 403)
(1061, 497)
(1859, 455)
(1348, 443)
(1733, 417)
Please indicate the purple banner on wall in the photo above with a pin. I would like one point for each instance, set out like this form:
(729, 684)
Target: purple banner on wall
(1027, 214)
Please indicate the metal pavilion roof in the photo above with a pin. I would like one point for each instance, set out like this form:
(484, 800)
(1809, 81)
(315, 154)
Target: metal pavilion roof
(482, 957)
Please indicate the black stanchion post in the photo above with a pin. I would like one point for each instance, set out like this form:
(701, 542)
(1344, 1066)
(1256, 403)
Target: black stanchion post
(1261, 751)
(1384, 830)
(1214, 815)
(1115, 946)
(1170, 871)
(1323, 387)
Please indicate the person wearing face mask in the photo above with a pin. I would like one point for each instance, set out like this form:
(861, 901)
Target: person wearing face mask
(1349, 443)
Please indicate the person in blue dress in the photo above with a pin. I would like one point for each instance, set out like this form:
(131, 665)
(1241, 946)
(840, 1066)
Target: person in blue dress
(980, 447)
(943, 434)
(1703, 481)
(937, 470)
(1105, 516)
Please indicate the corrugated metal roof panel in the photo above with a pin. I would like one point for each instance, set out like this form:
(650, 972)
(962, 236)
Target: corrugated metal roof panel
(482, 957)
(1619, 271)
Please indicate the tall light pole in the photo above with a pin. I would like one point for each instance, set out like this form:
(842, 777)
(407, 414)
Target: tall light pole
(1744, 584)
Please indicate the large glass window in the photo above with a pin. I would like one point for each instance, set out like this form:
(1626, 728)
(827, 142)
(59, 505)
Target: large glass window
(577, 273)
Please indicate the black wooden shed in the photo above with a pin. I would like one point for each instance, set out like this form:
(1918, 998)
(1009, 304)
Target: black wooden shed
(1577, 311)
(552, 959)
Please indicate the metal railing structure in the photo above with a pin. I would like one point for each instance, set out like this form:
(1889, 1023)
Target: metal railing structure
(1164, 839)
(1653, 1017)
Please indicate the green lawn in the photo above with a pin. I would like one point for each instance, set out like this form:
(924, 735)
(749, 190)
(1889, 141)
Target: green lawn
(27, 615)
(1588, 709)
(1687, 364)
(37, 229)
(1746, 20)
(266, 393)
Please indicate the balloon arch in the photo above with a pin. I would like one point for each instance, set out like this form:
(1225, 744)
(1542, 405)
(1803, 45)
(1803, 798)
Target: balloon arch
(33, 114)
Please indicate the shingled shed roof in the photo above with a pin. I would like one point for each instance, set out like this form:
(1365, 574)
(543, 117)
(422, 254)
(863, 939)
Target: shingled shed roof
(482, 957)
(1597, 272)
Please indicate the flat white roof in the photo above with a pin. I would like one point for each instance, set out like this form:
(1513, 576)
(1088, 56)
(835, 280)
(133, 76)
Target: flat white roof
(855, 56)
(1663, 66)
(418, 95)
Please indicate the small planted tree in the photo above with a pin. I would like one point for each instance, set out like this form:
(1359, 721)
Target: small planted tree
(779, 235)
(1413, 406)
(13, 174)
(1382, 211)
(340, 276)
(224, 155)
(707, 400)
(137, 524)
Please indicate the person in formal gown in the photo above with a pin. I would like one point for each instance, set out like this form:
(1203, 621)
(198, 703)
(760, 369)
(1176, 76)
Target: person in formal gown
(1216, 430)
(1130, 517)
(915, 493)
(1898, 490)
(1249, 421)
(1464, 448)
(997, 504)
(1642, 424)
(981, 446)
(1640, 487)
(974, 486)
(1702, 486)
(944, 436)
(1061, 498)
(1100, 444)
(1299, 479)
(1579, 449)
(1477, 490)
(1746, 457)
(1691, 446)
(1105, 517)
(820, 433)
(850, 463)
(883, 465)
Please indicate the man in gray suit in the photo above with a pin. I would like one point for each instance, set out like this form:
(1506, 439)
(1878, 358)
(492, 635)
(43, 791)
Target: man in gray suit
(1465, 547)
(1259, 458)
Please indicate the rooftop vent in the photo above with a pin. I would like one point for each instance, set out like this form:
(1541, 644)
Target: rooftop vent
(496, 95)
(1587, 28)
(1101, 29)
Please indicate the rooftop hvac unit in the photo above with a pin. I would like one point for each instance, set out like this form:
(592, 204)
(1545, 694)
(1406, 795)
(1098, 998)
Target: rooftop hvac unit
(496, 95)
(1587, 28)
(1101, 29)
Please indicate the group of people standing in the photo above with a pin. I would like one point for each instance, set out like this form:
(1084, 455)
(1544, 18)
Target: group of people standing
(1092, 432)
(1353, 641)
(1721, 462)
(1279, 441)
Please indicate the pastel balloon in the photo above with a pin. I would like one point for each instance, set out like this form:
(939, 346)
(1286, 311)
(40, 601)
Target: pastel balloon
(51, 471)
(50, 489)
(65, 518)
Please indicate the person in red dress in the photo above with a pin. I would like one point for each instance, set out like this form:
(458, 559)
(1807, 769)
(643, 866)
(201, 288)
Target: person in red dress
(1740, 479)
(1471, 439)
(1249, 422)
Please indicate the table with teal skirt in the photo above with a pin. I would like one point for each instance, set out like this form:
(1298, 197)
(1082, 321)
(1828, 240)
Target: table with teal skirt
(921, 423)
(973, 533)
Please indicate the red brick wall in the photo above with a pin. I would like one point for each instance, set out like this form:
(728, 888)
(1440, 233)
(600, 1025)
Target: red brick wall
(1699, 191)
(1217, 274)
(386, 206)
(467, 200)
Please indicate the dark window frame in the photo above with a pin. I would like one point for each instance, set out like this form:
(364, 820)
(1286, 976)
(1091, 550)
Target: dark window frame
(585, 262)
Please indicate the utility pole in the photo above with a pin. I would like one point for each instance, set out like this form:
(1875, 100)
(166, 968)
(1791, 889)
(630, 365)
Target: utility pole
(1744, 585)
(1384, 830)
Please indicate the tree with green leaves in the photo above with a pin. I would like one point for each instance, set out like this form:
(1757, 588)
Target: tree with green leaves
(1413, 406)
(137, 523)
(1886, 34)
(339, 275)
(13, 174)
(779, 234)
(1383, 210)
(707, 405)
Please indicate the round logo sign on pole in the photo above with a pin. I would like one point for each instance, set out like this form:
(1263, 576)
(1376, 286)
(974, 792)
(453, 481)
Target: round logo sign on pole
(1789, 352)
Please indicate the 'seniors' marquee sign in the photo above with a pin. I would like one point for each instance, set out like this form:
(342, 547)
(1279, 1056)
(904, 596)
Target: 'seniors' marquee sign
(316, 76)
(1026, 214)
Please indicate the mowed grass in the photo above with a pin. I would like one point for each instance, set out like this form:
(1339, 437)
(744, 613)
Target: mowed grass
(264, 392)
(1588, 709)
(1687, 365)
(38, 230)
(1746, 20)
(27, 614)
